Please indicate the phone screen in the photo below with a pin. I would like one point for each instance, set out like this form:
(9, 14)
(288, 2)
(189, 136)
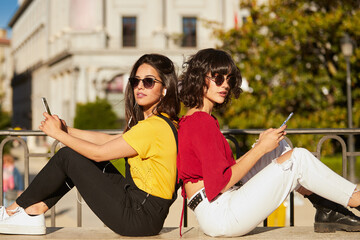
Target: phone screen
(46, 106)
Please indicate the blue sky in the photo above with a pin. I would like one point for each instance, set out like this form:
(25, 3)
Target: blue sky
(7, 10)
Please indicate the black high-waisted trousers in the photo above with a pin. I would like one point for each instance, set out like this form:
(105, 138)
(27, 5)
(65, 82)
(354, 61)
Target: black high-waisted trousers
(116, 200)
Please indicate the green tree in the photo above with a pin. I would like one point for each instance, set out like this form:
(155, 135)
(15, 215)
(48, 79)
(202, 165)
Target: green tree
(5, 119)
(95, 115)
(289, 53)
(98, 115)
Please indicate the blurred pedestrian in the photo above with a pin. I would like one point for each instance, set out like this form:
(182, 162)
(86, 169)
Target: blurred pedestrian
(13, 183)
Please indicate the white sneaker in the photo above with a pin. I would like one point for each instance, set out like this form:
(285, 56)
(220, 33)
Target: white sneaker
(3, 213)
(22, 223)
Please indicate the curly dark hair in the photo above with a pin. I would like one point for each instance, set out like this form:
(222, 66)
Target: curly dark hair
(169, 103)
(192, 80)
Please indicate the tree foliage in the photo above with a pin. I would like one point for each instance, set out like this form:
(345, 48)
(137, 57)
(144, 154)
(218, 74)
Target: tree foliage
(98, 115)
(5, 120)
(289, 53)
(95, 115)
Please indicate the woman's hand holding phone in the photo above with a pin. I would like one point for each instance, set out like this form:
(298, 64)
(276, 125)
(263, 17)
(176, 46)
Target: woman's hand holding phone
(52, 125)
(47, 110)
(270, 138)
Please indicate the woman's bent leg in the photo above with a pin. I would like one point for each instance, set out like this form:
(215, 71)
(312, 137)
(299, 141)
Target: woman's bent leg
(267, 159)
(48, 185)
(237, 212)
(243, 209)
(121, 206)
(101, 191)
(52, 182)
(318, 178)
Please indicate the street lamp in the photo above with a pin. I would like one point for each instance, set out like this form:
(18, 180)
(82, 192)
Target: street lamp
(347, 50)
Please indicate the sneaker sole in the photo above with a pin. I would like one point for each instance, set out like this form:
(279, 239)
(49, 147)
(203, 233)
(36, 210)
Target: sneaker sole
(333, 227)
(22, 230)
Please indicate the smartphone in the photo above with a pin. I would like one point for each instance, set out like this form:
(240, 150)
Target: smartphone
(46, 106)
(287, 119)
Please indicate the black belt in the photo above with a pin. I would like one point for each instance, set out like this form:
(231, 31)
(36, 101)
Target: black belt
(201, 195)
(194, 202)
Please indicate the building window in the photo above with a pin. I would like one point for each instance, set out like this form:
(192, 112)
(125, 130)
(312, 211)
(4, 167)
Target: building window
(129, 31)
(116, 85)
(189, 32)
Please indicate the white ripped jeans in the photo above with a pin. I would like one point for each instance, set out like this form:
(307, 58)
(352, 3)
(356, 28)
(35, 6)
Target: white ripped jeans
(239, 210)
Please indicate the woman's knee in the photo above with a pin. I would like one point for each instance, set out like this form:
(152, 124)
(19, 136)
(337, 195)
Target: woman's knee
(284, 157)
(65, 151)
(299, 154)
(65, 156)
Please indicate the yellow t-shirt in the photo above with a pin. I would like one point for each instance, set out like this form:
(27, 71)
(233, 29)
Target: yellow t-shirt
(154, 168)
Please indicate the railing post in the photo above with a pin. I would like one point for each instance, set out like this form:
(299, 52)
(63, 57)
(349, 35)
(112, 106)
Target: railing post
(185, 213)
(79, 209)
(53, 216)
(292, 210)
(26, 162)
(343, 151)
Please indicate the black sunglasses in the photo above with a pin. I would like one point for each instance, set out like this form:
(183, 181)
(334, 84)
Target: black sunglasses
(219, 80)
(148, 82)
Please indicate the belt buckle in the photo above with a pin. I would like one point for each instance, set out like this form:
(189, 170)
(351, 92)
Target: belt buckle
(198, 198)
(203, 193)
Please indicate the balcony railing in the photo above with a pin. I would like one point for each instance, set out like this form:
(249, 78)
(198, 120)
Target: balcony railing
(230, 134)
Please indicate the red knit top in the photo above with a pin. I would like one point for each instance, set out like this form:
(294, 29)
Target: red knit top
(204, 153)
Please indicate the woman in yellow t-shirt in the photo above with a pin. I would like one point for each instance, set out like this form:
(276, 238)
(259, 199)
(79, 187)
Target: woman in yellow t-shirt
(134, 205)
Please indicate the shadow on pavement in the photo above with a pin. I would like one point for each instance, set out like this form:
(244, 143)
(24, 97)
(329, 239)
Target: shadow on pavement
(258, 230)
(59, 213)
(53, 229)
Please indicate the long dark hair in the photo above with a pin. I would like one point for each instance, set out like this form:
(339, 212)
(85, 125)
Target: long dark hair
(192, 80)
(168, 104)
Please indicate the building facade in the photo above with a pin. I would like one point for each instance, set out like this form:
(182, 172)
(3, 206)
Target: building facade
(72, 51)
(5, 72)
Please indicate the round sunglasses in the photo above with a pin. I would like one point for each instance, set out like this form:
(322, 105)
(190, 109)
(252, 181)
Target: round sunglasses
(219, 80)
(148, 82)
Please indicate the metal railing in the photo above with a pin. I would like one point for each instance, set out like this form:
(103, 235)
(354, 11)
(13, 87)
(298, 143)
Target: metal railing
(230, 134)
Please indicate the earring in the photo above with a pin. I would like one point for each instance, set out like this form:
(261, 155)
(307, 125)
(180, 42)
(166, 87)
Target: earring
(165, 90)
(129, 121)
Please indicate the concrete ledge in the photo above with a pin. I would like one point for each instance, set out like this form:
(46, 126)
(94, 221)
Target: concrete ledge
(188, 233)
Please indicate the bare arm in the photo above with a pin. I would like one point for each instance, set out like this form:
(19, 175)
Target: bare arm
(268, 141)
(92, 136)
(112, 149)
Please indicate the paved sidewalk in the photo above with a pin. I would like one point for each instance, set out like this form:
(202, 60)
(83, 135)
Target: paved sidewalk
(259, 233)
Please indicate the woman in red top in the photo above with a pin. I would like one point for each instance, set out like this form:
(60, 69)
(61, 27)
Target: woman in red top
(268, 172)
